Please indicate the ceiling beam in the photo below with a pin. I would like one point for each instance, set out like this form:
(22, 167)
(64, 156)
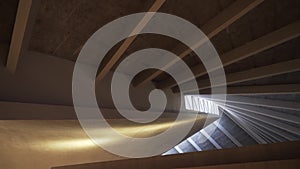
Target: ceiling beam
(248, 75)
(210, 139)
(268, 41)
(25, 19)
(266, 112)
(268, 129)
(243, 125)
(178, 149)
(268, 120)
(226, 133)
(211, 28)
(154, 8)
(280, 104)
(16, 43)
(233, 158)
(290, 163)
(34, 111)
(258, 130)
(259, 89)
(192, 142)
(268, 136)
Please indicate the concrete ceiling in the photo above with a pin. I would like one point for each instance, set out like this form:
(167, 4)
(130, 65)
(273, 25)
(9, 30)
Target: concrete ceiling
(60, 29)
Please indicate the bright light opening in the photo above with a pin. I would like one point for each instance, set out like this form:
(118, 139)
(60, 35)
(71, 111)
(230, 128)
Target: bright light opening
(199, 104)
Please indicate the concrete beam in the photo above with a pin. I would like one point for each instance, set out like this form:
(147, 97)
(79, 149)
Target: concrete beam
(277, 164)
(210, 139)
(258, 89)
(240, 156)
(191, 141)
(268, 41)
(25, 19)
(247, 75)
(226, 133)
(266, 112)
(243, 125)
(280, 104)
(270, 130)
(178, 149)
(211, 28)
(267, 120)
(154, 8)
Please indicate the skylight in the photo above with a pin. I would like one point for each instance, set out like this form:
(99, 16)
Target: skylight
(199, 104)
